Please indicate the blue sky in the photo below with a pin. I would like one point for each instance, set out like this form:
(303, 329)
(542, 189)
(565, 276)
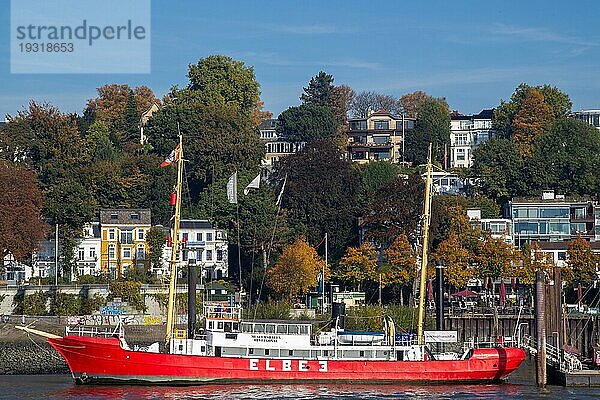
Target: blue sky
(471, 52)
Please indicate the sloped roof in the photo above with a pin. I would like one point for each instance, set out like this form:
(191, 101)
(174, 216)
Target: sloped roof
(125, 216)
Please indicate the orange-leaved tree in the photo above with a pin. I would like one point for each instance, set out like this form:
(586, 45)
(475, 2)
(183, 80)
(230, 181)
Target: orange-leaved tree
(358, 265)
(400, 268)
(581, 262)
(533, 260)
(296, 270)
(457, 261)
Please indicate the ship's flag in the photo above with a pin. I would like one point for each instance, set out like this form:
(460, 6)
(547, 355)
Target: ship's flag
(255, 184)
(281, 192)
(171, 158)
(232, 188)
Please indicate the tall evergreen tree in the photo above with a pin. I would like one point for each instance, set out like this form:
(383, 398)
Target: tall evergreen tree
(131, 120)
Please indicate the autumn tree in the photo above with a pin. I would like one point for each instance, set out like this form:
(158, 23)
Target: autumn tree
(306, 123)
(21, 224)
(411, 103)
(111, 104)
(533, 259)
(458, 267)
(504, 115)
(400, 266)
(495, 259)
(433, 126)
(531, 121)
(296, 270)
(581, 262)
(358, 265)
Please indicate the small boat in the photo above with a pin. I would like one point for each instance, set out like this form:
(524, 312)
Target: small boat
(230, 349)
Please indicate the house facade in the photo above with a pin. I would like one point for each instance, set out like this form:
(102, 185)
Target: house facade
(88, 250)
(467, 132)
(591, 117)
(205, 245)
(123, 239)
(380, 136)
(498, 228)
(552, 218)
(276, 147)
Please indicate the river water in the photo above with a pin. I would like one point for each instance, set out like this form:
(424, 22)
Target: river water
(520, 386)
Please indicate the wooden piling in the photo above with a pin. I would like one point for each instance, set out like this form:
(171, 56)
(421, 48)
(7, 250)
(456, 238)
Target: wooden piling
(540, 324)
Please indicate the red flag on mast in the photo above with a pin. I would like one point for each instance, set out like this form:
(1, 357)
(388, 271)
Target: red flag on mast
(171, 158)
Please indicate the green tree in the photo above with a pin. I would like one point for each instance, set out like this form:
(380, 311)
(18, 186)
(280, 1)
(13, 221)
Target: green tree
(223, 81)
(319, 202)
(502, 171)
(156, 239)
(394, 209)
(218, 140)
(306, 123)
(296, 270)
(98, 143)
(567, 159)
(433, 126)
(131, 120)
(374, 175)
(322, 92)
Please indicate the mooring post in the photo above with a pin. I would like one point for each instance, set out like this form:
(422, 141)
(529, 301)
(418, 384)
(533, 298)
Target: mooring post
(540, 327)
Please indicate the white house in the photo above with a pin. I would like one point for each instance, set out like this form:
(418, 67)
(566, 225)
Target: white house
(467, 132)
(87, 252)
(202, 243)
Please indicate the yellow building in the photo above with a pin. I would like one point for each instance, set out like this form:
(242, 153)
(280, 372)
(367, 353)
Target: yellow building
(123, 233)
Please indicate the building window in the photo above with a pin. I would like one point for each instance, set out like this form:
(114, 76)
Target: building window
(381, 139)
(126, 237)
(562, 255)
(358, 125)
(460, 139)
(114, 216)
(199, 236)
(209, 237)
(126, 252)
(184, 255)
(92, 253)
(219, 255)
(111, 251)
(135, 216)
(209, 255)
(81, 253)
(141, 233)
(460, 154)
(141, 252)
(111, 234)
(381, 124)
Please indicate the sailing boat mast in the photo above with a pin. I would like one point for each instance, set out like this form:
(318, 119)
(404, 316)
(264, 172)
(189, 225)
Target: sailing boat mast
(426, 221)
(175, 244)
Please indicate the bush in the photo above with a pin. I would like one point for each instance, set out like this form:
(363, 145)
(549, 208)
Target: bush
(129, 292)
(65, 304)
(34, 304)
(88, 306)
(92, 279)
(370, 318)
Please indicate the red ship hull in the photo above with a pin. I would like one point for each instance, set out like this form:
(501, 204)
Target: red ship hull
(99, 359)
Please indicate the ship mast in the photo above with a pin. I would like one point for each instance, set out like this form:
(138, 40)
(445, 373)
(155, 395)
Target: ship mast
(175, 245)
(425, 244)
